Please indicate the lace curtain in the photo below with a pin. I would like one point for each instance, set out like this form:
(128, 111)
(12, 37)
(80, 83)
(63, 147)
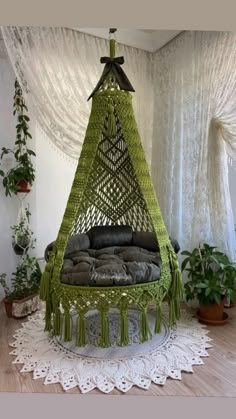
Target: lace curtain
(59, 68)
(195, 126)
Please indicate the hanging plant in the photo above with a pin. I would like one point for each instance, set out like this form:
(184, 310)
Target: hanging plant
(22, 235)
(21, 177)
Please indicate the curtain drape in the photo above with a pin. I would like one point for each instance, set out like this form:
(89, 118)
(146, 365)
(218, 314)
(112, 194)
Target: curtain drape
(195, 128)
(59, 68)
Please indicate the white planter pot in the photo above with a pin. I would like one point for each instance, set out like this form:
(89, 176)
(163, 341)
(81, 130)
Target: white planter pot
(28, 305)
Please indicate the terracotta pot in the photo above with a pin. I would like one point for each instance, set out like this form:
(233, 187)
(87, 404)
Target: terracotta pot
(24, 186)
(212, 311)
(22, 308)
(8, 307)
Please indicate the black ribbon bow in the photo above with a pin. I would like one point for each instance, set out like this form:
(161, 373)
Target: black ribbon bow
(114, 65)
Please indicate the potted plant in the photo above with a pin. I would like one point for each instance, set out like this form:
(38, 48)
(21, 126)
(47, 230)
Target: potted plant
(20, 177)
(211, 277)
(22, 235)
(21, 298)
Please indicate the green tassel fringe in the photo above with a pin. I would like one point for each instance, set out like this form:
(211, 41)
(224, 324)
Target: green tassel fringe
(172, 319)
(158, 319)
(67, 327)
(111, 128)
(56, 316)
(57, 322)
(45, 286)
(145, 333)
(104, 340)
(62, 327)
(80, 330)
(48, 316)
(124, 333)
(175, 293)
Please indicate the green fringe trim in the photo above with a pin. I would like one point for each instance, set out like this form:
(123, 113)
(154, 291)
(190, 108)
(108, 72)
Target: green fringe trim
(57, 322)
(145, 333)
(62, 327)
(176, 292)
(104, 340)
(124, 333)
(111, 127)
(80, 330)
(67, 327)
(44, 292)
(56, 316)
(172, 318)
(48, 316)
(158, 318)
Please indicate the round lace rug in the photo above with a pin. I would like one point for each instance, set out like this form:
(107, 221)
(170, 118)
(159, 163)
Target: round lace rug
(165, 355)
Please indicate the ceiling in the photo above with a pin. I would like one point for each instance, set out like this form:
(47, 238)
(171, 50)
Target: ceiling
(149, 40)
(146, 39)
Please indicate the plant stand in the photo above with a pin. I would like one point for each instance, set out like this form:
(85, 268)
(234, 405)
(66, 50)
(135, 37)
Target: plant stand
(18, 181)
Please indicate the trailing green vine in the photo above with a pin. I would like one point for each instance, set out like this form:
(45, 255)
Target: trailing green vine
(23, 169)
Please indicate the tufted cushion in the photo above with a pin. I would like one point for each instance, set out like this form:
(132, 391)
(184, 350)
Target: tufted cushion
(143, 272)
(111, 255)
(112, 266)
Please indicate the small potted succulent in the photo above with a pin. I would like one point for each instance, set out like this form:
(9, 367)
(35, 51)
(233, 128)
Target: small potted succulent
(212, 277)
(20, 177)
(21, 297)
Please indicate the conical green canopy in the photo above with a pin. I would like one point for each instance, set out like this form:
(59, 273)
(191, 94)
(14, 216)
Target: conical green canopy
(112, 185)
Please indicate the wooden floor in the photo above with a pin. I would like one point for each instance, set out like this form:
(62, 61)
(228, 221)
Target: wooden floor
(217, 377)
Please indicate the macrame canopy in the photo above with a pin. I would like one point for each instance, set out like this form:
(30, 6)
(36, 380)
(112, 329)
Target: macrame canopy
(112, 186)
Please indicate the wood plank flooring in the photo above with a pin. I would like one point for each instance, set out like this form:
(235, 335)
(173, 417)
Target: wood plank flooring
(217, 377)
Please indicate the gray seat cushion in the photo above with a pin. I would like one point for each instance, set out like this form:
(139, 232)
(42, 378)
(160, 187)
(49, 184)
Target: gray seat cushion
(111, 255)
(112, 266)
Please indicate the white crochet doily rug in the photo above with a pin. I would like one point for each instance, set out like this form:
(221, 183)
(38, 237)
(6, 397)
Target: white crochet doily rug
(165, 355)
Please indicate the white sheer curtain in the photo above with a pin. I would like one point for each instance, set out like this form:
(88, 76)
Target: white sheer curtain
(194, 128)
(59, 68)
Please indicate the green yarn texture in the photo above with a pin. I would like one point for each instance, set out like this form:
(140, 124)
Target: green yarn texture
(112, 185)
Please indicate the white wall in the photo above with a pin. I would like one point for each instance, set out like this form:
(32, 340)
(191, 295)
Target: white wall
(8, 206)
(54, 174)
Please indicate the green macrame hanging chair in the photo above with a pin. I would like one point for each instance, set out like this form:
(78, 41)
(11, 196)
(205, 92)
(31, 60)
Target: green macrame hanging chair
(112, 186)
